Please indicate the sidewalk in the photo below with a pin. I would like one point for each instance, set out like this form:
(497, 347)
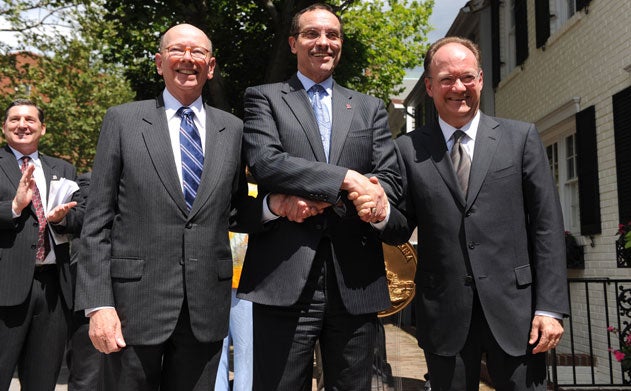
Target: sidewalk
(403, 356)
(407, 362)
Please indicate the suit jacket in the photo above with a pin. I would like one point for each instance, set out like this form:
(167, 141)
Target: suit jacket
(505, 240)
(18, 236)
(285, 154)
(143, 251)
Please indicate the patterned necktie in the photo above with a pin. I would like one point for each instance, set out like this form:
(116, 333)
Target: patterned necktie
(43, 242)
(316, 94)
(192, 155)
(461, 160)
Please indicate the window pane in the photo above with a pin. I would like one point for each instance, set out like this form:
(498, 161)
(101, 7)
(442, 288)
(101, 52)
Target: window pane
(570, 156)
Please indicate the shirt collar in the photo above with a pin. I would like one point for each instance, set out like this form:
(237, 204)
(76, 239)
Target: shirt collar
(308, 83)
(470, 128)
(18, 155)
(172, 105)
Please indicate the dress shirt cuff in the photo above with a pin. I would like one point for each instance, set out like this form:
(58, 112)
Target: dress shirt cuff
(379, 226)
(60, 223)
(555, 315)
(267, 214)
(90, 311)
(15, 215)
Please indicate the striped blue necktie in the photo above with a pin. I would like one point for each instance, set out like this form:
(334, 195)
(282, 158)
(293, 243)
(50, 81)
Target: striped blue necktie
(192, 155)
(316, 94)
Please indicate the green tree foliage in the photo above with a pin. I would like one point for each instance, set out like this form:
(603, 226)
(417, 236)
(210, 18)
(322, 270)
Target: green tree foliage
(93, 54)
(66, 75)
(382, 39)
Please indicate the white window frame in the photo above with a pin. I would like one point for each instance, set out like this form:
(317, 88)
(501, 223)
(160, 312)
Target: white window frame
(508, 44)
(566, 179)
(560, 12)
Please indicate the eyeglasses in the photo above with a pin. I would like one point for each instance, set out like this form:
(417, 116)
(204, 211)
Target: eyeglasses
(468, 79)
(197, 52)
(315, 34)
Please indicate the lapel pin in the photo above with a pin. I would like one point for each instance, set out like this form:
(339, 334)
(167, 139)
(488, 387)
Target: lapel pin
(348, 106)
(54, 177)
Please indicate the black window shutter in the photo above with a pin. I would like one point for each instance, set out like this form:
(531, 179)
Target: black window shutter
(542, 11)
(521, 31)
(587, 164)
(622, 140)
(580, 4)
(495, 41)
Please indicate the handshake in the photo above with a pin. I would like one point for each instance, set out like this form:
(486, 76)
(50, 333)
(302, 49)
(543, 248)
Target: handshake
(367, 195)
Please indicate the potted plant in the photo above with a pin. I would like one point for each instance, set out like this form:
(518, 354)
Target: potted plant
(622, 355)
(623, 245)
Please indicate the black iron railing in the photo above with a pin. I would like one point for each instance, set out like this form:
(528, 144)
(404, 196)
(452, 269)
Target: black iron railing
(599, 323)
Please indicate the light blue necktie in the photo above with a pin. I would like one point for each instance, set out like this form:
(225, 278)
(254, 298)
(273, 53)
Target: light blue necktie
(192, 155)
(316, 94)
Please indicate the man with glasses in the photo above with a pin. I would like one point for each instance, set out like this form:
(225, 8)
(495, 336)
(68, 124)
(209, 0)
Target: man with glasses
(492, 275)
(155, 273)
(318, 275)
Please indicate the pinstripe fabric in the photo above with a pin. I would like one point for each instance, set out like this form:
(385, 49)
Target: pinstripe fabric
(284, 151)
(144, 249)
(18, 235)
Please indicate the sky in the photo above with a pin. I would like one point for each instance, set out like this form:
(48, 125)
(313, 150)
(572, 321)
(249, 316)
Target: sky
(443, 15)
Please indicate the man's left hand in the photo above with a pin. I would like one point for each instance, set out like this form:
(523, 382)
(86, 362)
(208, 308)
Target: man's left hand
(547, 330)
(59, 212)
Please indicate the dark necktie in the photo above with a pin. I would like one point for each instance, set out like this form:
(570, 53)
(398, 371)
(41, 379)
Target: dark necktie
(316, 94)
(43, 242)
(461, 160)
(192, 155)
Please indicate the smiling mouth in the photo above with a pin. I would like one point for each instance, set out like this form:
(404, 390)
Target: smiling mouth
(187, 71)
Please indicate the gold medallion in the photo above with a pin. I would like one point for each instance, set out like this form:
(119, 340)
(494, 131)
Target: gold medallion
(400, 263)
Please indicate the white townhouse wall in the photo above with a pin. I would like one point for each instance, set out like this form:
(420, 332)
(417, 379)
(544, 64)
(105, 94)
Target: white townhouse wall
(574, 83)
(584, 63)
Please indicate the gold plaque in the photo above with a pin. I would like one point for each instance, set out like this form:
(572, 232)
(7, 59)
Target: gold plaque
(400, 270)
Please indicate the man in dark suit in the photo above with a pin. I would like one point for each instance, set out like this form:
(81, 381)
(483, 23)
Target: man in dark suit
(318, 273)
(85, 363)
(491, 277)
(155, 274)
(35, 283)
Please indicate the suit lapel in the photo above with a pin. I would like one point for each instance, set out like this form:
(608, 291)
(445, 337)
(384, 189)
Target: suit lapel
(486, 142)
(155, 132)
(9, 165)
(298, 103)
(342, 116)
(434, 141)
(213, 161)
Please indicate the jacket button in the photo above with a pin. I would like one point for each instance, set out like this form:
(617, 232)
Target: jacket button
(189, 225)
(471, 245)
(318, 227)
(35, 224)
(33, 246)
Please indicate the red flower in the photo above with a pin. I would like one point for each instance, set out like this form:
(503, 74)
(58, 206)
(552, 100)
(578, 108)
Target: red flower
(618, 355)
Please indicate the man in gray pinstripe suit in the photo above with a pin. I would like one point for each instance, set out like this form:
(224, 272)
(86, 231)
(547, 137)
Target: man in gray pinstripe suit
(155, 274)
(317, 275)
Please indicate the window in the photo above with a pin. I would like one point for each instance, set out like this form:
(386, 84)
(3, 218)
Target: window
(508, 45)
(560, 12)
(562, 157)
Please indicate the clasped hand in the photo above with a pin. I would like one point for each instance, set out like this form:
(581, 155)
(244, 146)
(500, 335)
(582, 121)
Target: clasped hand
(367, 195)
